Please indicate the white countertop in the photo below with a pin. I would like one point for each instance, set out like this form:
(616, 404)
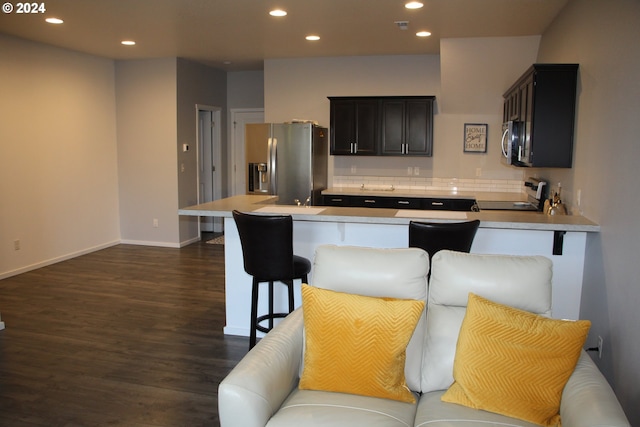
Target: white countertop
(488, 219)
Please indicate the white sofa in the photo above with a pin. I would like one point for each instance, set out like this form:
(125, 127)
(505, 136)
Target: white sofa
(262, 389)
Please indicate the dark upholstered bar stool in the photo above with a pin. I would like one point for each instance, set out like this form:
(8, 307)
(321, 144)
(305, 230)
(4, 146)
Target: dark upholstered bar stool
(267, 250)
(436, 236)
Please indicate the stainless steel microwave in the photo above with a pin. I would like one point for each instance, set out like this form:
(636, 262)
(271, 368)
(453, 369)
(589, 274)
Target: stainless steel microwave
(514, 144)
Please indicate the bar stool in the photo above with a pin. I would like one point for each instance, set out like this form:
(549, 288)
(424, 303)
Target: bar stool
(436, 236)
(267, 250)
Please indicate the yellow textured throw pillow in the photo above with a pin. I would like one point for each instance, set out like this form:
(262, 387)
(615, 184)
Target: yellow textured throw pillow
(357, 344)
(513, 362)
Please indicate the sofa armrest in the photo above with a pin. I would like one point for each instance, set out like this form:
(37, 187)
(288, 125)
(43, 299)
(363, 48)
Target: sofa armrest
(588, 400)
(256, 388)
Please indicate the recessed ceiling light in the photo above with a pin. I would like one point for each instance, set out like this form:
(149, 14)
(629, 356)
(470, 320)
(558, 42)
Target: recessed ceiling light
(312, 38)
(423, 34)
(54, 20)
(413, 5)
(128, 42)
(278, 12)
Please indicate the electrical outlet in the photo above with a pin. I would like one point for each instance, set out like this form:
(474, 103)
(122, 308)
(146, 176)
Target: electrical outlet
(16, 245)
(600, 343)
(478, 171)
(409, 170)
(354, 169)
(155, 222)
(416, 170)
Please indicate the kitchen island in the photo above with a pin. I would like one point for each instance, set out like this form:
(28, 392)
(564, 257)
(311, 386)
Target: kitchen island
(560, 238)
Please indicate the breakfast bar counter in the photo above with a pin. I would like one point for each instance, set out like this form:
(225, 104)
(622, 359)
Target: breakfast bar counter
(561, 238)
(522, 220)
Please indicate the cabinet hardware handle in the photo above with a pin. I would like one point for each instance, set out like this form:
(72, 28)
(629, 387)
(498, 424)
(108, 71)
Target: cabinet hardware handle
(437, 204)
(403, 202)
(369, 201)
(336, 200)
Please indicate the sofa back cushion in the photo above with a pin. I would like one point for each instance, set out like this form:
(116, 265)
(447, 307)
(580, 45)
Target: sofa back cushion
(522, 282)
(393, 273)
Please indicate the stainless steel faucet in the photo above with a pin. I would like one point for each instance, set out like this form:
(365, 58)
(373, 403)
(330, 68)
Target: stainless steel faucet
(306, 204)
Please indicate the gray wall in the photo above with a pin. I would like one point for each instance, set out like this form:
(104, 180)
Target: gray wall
(467, 79)
(146, 117)
(156, 114)
(58, 155)
(202, 85)
(603, 38)
(245, 89)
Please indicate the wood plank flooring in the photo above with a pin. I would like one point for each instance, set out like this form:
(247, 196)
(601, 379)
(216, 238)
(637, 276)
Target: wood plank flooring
(126, 336)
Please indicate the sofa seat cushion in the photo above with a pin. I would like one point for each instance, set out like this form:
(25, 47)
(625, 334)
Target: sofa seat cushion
(311, 408)
(433, 412)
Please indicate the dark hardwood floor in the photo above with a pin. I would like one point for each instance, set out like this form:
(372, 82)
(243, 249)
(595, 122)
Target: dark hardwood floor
(126, 336)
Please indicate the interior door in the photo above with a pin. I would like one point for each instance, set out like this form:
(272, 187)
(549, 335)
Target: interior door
(209, 160)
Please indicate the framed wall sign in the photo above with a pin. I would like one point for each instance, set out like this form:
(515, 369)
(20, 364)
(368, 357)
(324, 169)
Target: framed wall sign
(475, 137)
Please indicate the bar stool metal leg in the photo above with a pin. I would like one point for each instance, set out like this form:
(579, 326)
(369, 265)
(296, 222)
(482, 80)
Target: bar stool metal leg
(254, 313)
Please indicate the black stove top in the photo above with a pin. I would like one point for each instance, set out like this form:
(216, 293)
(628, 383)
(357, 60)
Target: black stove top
(507, 206)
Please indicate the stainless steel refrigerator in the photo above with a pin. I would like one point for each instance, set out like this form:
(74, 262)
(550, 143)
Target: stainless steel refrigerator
(287, 160)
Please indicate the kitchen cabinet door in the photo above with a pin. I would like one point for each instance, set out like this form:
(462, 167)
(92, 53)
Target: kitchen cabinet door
(392, 125)
(354, 126)
(543, 99)
(406, 126)
(419, 127)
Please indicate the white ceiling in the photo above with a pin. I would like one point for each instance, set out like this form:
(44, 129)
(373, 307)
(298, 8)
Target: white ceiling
(242, 32)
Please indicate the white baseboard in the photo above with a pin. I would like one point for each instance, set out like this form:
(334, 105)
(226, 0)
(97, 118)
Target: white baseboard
(57, 259)
(190, 241)
(148, 243)
(93, 249)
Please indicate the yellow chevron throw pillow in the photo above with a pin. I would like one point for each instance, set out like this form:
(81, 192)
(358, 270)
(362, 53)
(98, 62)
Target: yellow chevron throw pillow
(357, 344)
(513, 362)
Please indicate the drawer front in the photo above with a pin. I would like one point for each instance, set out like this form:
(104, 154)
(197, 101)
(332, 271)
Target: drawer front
(336, 200)
(370, 202)
(436, 204)
(405, 203)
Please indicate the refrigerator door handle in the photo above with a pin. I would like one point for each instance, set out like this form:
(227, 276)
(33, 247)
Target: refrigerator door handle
(272, 147)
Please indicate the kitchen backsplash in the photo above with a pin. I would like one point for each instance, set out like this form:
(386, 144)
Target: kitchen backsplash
(436, 184)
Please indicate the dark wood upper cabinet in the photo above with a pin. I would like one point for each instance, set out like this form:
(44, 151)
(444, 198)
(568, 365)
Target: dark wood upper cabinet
(390, 126)
(543, 100)
(354, 125)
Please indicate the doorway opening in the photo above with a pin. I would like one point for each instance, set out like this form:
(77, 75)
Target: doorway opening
(239, 118)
